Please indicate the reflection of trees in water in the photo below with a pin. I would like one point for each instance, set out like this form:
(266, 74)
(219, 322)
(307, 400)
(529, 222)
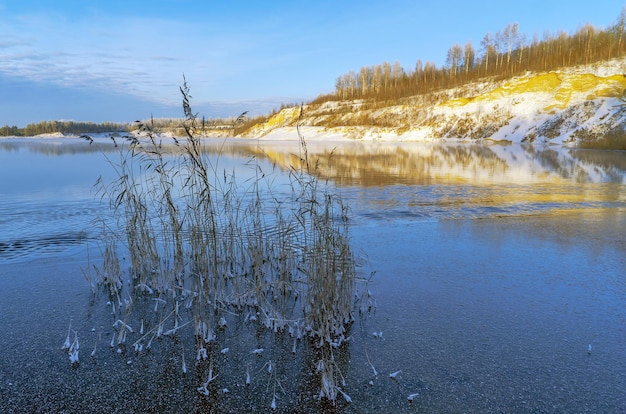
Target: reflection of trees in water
(475, 156)
(564, 167)
(378, 165)
(8, 146)
(611, 163)
(71, 146)
(579, 165)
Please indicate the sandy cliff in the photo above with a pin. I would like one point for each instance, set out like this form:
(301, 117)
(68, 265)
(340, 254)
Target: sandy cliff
(552, 107)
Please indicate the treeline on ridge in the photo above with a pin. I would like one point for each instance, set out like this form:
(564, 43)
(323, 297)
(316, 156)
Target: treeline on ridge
(77, 128)
(504, 54)
(64, 127)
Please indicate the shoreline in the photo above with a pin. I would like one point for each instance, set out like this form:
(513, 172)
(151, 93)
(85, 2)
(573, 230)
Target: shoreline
(310, 134)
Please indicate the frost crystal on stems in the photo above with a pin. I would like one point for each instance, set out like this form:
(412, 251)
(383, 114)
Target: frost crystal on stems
(195, 236)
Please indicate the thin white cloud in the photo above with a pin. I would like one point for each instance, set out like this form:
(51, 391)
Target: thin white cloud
(141, 57)
(252, 60)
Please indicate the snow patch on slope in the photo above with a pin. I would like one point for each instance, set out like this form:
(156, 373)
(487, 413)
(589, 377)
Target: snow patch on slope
(552, 107)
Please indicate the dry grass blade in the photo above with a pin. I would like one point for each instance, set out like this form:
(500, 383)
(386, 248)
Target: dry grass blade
(207, 248)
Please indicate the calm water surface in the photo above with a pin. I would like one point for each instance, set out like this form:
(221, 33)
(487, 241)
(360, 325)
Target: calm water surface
(495, 269)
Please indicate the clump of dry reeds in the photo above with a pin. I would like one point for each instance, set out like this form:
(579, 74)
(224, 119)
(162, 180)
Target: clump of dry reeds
(207, 250)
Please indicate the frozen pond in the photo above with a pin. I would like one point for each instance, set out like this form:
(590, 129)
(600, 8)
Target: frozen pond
(496, 268)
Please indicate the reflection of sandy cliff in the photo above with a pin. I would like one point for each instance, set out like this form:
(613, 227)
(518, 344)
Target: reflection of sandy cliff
(376, 164)
(384, 163)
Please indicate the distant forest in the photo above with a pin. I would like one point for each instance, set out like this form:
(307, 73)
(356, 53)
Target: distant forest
(77, 128)
(501, 55)
(65, 127)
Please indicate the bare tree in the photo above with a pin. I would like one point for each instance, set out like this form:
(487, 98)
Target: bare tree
(468, 57)
(583, 38)
(418, 66)
(455, 54)
(489, 49)
(520, 45)
(386, 76)
(618, 28)
(340, 87)
(377, 79)
(349, 83)
(397, 73)
(364, 80)
(509, 38)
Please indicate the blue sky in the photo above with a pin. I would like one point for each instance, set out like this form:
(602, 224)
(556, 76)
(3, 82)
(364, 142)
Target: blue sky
(124, 60)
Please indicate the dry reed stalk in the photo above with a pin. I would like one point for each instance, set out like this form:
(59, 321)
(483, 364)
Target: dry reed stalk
(208, 249)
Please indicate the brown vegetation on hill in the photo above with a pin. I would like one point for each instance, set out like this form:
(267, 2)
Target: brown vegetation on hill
(505, 54)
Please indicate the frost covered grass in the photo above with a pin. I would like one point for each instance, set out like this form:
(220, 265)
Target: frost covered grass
(206, 251)
(72, 347)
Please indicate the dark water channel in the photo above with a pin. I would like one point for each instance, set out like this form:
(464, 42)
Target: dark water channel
(500, 281)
